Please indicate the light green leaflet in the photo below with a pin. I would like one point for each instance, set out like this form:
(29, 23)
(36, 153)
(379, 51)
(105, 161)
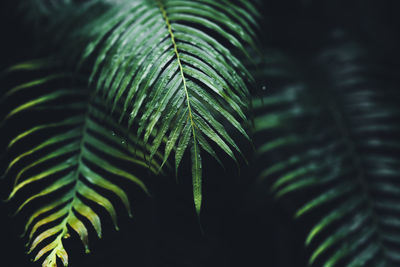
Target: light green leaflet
(84, 150)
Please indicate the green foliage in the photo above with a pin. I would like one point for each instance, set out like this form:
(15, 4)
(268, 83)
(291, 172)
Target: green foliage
(180, 81)
(80, 151)
(167, 69)
(333, 141)
(171, 66)
(142, 81)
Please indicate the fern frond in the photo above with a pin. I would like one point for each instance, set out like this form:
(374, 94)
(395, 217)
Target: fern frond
(171, 65)
(76, 150)
(335, 144)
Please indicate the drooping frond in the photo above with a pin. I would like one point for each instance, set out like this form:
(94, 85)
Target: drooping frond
(72, 148)
(170, 63)
(335, 143)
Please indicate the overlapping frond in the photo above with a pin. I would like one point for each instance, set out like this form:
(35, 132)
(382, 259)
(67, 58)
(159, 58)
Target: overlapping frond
(335, 143)
(170, 63)
(77, 149)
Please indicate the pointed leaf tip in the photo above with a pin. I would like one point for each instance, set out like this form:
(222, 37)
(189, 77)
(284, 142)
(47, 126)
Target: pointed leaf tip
(197, 177)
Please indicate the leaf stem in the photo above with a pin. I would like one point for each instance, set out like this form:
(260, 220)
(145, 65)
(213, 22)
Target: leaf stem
(197, 174)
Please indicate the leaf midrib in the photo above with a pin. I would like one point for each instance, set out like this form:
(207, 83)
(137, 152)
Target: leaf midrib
(196, 176)
(180, 65)
(76, 179)
(361, 176)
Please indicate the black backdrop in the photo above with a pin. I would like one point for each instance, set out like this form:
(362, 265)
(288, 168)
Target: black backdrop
(240, 229)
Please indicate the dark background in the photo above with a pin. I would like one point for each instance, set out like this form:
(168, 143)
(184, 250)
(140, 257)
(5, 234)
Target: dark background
(242, 226)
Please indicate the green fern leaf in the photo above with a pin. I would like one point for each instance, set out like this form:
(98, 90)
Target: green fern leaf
(171, 65)
(78, 151)
(335, 145)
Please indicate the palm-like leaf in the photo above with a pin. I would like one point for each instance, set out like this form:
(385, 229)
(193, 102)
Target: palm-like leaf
(170, 64)
(335, 141)
(77, 150)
